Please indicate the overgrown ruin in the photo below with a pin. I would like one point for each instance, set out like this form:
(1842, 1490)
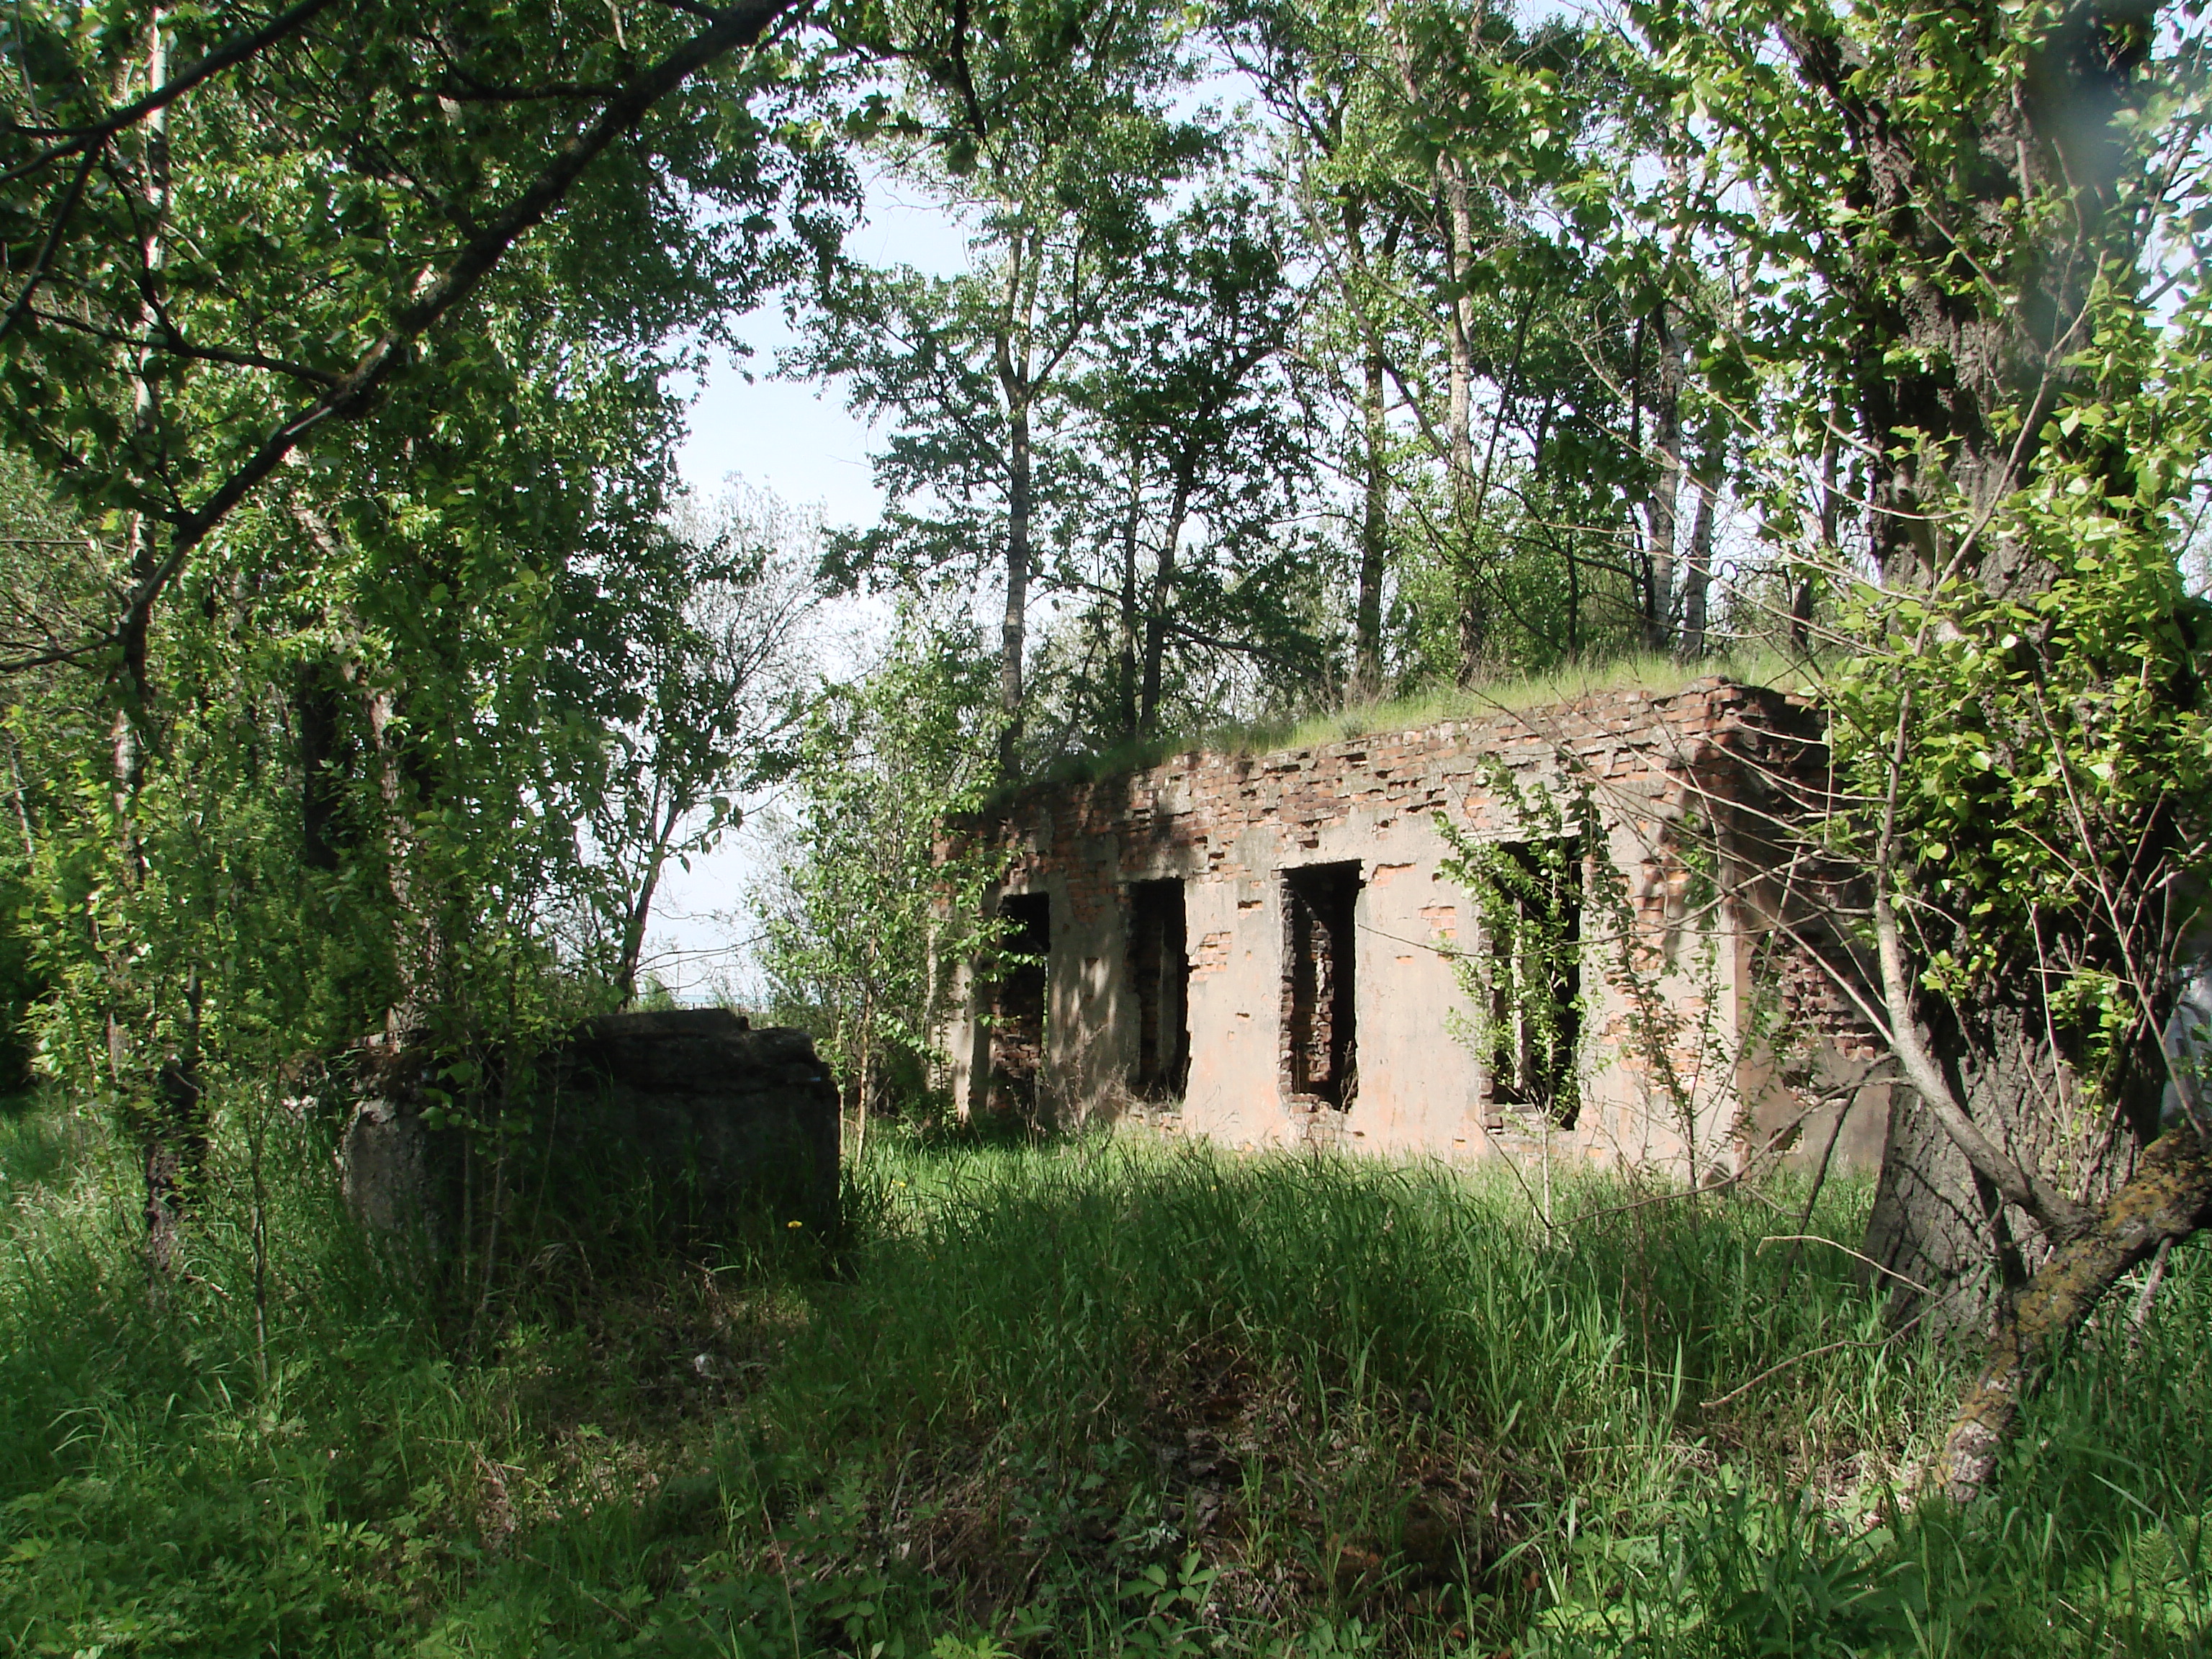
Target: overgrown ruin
(1279, 942)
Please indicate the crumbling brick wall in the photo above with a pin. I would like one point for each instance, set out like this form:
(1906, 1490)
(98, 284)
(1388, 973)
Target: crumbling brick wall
(1233, 828)
(683, 1125)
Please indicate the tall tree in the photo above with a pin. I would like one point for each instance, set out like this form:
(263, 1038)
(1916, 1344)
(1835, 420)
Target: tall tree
(1193, 426)
(277, 326)
(861, 916)
(1958, 217)
(1043, 126)
(714, 673)
(1452, 171)
(1325, 84)
(233, 228)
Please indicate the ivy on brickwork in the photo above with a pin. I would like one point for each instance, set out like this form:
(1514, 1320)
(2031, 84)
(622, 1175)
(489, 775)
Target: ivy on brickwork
(1557, 922)
(1524, 982)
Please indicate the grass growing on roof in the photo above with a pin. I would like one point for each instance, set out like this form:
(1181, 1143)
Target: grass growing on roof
(1096, 1398)
(1655, 672)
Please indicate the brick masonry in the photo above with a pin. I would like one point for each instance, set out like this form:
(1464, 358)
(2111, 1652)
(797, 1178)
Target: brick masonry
(1690, 1089)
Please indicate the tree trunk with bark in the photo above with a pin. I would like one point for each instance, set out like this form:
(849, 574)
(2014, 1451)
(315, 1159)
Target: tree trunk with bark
(318, 711)
(1698, 572)
(173, 1127)
(1125, 644)
(639, 913)
(1014, 630)
(1163, 595)
(1459, 326)
(1374, 534)
(2169, 1199)
(1940, 1223)
(1987, 1181)
(1661, 511)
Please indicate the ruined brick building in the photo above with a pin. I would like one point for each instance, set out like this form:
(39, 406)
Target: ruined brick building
(1268, 950)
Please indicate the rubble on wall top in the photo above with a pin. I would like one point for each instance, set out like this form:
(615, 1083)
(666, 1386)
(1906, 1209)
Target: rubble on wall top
(1612, 731)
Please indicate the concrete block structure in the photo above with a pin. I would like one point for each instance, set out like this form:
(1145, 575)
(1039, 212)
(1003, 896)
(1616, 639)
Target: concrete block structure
(1268, 950)
(686, 1123)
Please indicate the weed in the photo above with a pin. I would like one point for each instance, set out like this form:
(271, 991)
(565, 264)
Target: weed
(1092, 1397)
(1432, 705)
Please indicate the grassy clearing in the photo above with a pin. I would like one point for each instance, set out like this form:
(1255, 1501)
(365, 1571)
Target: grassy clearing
(1084, 1399)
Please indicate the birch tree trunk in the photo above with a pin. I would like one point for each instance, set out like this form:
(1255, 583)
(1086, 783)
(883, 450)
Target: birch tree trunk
(1474, 618)
(173, 1138)
(1374, 535)
(1661, 512)
(1698, 571)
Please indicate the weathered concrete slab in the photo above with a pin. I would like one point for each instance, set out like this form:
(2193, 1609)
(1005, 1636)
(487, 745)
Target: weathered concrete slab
(680, 1126)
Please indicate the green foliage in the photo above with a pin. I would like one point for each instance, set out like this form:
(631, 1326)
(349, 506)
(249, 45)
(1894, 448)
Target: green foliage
(2052, 811)
(410, 738)
(464, 664)
(1088, 1399)
(248, 246)
(384, 737)
(1558, 928)
(1525, 975)
(1482, 341)
(2019, 715)
(711, 631)
(425, 777)
(1189, 583)
(864, 923)
(1054, 142)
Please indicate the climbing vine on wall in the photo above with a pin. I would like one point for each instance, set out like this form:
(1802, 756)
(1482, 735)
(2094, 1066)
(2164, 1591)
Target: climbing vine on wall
(1557, 920)
(1524, 981)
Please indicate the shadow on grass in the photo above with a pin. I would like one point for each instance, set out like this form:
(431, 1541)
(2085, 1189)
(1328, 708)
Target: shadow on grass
(1078, 1401)
(1071, 1398)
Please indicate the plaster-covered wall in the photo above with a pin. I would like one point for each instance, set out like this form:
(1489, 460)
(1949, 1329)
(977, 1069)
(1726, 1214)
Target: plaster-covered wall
(1690, 1082)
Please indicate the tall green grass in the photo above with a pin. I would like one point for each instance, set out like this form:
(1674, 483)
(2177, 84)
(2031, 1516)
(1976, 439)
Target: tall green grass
(1094, 1398)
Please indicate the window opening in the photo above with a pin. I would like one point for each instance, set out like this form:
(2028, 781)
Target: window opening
(1159, 971)
(1018, 1025)
(1320, 1057)
(1533, 962)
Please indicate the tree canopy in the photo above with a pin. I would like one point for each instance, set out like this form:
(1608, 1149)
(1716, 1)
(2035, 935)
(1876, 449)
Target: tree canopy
(360, 678)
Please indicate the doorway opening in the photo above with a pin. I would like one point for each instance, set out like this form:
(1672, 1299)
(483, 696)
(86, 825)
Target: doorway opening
(1160, 972)
(1319, 1044)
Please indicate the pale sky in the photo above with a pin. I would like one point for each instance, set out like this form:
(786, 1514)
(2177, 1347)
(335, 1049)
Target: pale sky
(798, 442)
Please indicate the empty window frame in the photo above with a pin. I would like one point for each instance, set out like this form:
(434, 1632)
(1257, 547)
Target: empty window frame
(1159, 974)
(1319, 1041)
(1532, 954)
(1017, 1022)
